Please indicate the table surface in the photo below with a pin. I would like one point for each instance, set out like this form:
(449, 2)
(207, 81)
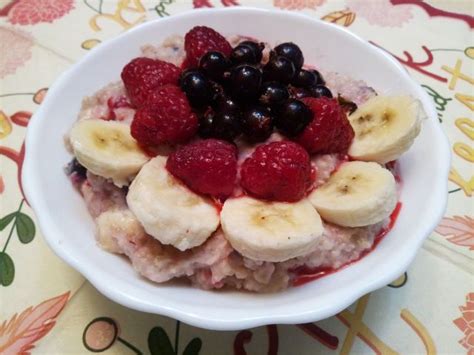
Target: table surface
(48, 308)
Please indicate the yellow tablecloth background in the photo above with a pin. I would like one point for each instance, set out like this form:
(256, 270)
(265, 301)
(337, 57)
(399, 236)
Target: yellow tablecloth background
(48, 305)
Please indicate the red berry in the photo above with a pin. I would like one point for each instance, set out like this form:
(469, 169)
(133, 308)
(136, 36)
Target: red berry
(278, 171)
(142, 75)
(166, 118)
(344, 136)
(329, 131)
(200, 40)
(207, 167)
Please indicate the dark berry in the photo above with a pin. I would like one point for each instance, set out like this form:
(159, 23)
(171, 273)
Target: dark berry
(274, 93)
(243, 54)
(292, 52)
(319, 78)
(293, 117)
(319, 91)
(197, 87)
(227, 104)
(245, 81)
(223, 125)
(74, 167)
(217, 91)
(305, 79)
(207, 166)
(279, 171)
(247, 52)
(214, 64)
(257, 124)
(279, 69)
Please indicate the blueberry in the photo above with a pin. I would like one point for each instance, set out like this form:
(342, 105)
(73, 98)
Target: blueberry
(245, 81)
(257, 124)
(279, 69)
(292, 52)
(298, 93)
(247, 52)
(274, 93)
(222, 125)
(293, 117)
(227, 104)
(319, 78)
(214, 64)
(197, 87)
(319, 91)
(74, 167)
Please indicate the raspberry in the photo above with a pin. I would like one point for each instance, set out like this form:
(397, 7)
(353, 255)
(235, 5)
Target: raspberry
(329, 131)
(278, 171)
(207, 167)
(200, 40)
(166, 118)
(142, 75)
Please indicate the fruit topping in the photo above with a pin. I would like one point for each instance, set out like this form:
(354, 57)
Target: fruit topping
(279, 69)
(142, 75)
(166, 118)
(208, 166)
(197, 87)
(274, 94)
(279, 171)
(222, 124)
(257, 124)
(293, 117)
(245, 82)
(214, 64)
(247, 52)
(328, 131)
(200, 40)
(292, 52)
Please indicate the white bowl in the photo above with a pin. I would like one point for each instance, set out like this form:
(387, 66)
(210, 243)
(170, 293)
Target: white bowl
(69, 229)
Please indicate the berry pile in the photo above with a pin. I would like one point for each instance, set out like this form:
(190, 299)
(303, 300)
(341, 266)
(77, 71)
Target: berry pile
(224, 93)
(236, 94)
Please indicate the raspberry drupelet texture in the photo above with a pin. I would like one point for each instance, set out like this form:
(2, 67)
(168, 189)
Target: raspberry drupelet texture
(207, 167)
(165, 118)
(329, 131)
(142, 75)
(200, 40)
(279, 171)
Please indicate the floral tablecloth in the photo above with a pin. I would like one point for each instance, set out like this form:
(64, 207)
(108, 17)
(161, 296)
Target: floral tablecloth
(48, 308)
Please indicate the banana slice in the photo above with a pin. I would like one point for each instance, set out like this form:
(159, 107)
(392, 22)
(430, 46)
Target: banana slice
(385, 127)
(107, 149)
(357, 194)
(271, 231)
(168, 210)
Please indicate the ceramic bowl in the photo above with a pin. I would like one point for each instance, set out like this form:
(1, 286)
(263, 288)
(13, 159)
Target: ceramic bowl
(69, 230)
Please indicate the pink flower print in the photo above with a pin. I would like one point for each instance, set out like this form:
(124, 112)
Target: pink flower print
(466, 323)
(15, 47)
(30, 12)
(381, 12)
(298, 4)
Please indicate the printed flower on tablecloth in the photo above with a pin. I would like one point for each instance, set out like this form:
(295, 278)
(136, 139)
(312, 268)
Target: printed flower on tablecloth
(298, 4)
(30, 12)
(381, 12)
(19, 334)
(458, 229)
(15, 49)
(466, 323)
